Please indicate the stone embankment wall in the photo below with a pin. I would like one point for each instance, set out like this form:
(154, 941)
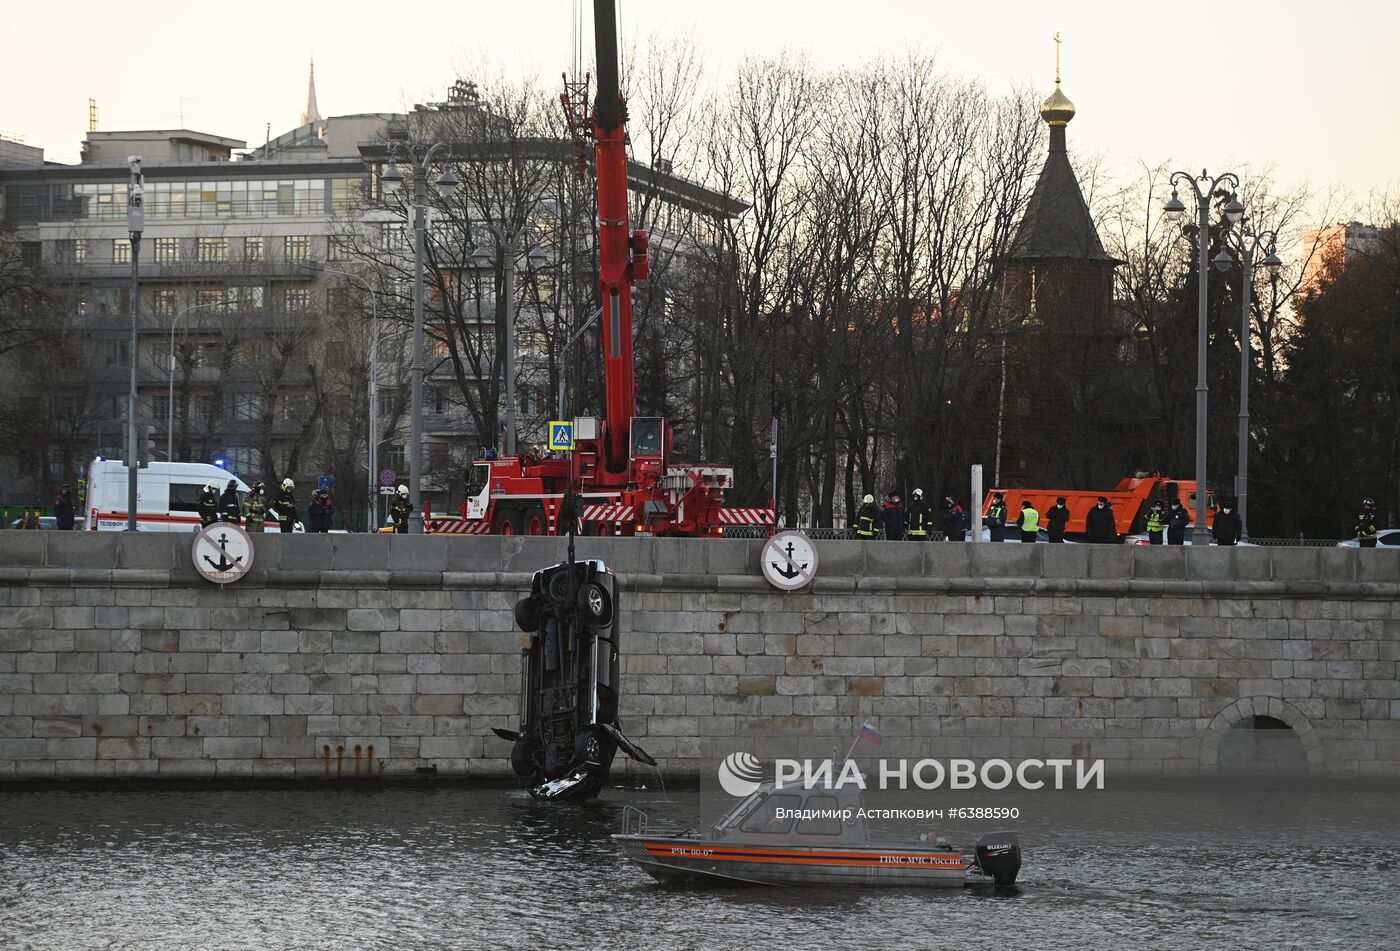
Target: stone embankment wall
(357, 655)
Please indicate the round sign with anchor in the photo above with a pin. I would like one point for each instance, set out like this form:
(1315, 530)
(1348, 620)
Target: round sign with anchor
(789, 560)
(223, 552)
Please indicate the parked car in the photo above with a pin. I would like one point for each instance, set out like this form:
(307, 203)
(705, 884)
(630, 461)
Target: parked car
(1386, 538)
(1140, 538)
(1013, 536)
(47, 523)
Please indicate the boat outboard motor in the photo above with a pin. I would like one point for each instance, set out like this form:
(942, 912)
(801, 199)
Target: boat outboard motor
(999, 855)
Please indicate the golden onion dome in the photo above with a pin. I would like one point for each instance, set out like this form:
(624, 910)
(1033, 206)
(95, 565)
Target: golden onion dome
(1057, 110)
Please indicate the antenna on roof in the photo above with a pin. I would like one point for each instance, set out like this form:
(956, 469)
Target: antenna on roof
(92, 115)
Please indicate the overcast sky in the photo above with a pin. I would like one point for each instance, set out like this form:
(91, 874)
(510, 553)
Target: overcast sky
(1306, 87)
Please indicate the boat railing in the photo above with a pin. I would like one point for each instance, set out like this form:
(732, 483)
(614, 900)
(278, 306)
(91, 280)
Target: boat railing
(634, 821)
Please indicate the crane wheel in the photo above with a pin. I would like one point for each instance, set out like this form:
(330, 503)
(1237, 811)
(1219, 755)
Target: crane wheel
(535, 522)
(506, 522)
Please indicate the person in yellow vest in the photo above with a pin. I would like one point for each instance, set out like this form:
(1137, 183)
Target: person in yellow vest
(919, 518)
(1156, 524)
(1029, 521)
(867, 518)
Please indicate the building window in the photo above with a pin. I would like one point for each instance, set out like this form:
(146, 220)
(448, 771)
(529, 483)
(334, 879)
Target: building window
(71, 251)
(167, 250)
(439, 400)
(346, 195)
(212, 250)
(340, 248)
(116, 353)
(242, 460)
(247, 406)
(246, 296)
(253, 248)
(394, 238)
(212, 298)
(121, 250)
(296, 247)
(31, 253)
(337, 354)
(396, 457)
(297, 300)
(164, 301)
(390, 403)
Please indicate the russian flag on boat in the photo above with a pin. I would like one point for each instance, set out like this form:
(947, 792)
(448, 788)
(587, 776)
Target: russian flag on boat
(868, 732)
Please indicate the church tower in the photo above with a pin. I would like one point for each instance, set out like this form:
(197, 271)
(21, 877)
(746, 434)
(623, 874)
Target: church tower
(310, 113)
(1061, 408)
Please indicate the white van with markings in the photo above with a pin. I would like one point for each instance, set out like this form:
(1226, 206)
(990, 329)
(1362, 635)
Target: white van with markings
(167, 495)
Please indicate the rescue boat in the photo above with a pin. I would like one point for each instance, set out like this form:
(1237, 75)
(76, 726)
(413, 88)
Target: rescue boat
(819, 835)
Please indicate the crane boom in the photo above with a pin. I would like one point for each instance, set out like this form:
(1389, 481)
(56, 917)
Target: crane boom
(615, 240)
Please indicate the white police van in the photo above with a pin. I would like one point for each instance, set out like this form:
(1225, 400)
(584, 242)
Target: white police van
(167, 497)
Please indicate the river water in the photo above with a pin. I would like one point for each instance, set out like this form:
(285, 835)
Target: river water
(1160, 866)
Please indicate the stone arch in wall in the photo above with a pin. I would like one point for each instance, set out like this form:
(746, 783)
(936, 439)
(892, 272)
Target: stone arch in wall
(1245, 709)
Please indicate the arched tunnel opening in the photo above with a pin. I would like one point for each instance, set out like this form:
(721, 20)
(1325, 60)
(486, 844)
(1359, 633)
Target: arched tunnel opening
(1262, 744)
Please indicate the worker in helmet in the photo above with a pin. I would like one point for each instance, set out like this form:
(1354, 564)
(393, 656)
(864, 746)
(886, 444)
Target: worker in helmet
(867, 521)
(208, 505)
(286, 507)
(255, 507)
(399, 509)
(919, 517)
(232, 509)
(1366, 524)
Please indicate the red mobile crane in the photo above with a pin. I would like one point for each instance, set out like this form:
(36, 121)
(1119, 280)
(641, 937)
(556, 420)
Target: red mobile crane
(621, 473)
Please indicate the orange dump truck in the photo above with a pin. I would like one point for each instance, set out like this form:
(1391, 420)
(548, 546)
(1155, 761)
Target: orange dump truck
(1130, 499)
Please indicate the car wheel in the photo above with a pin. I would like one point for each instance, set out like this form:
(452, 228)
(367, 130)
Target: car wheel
(558, 587)
(527, 614)
(524, 757)
(593, 747)
(595, 603)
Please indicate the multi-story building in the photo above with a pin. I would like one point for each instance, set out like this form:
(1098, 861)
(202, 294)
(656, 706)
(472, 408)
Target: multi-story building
(1332, 247)
(259, 272)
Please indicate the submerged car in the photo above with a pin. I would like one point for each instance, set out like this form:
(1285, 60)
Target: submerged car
(569, 730)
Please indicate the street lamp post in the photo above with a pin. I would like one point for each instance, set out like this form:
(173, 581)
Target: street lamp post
(392, 179)
(1234, 211)
(135, 225)
(1246, 243)
(372, 458)
(170, 393)
(507, 247)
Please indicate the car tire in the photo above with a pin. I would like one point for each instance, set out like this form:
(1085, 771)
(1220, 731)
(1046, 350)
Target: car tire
(524, 757)
(535, 522)
(593, 747)
(595, 603)
(527, 614)
(558, 587)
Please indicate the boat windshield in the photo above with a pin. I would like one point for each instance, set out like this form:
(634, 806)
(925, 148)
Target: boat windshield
(737, 811)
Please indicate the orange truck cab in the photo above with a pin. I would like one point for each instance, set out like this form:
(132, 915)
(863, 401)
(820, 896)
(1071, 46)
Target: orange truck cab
(1131, 499)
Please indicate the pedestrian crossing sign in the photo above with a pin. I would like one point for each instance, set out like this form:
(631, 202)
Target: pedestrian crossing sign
(561, 434)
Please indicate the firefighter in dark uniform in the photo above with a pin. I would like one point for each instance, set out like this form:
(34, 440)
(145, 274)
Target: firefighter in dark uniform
(919, 517)
(255, 507)
(996, 518)
(208, 505)
(867, 524)
(232, 509)
(399, 509)
(286, 506)
(1366, 524)
(954, 521)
